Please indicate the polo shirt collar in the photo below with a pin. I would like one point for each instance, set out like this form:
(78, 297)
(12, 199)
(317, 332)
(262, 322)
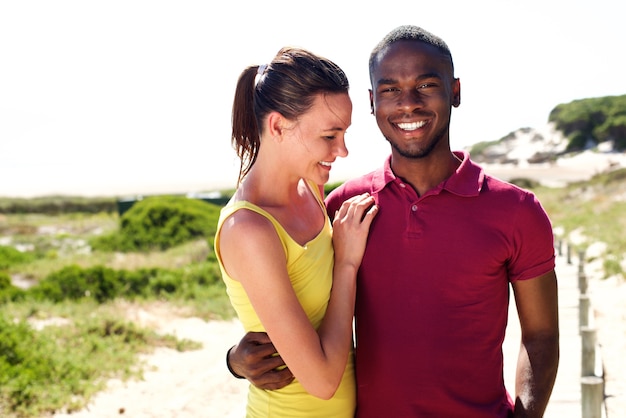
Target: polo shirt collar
(383, 176)
(466, 181)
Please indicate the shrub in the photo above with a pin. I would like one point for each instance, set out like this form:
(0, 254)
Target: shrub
(103, 284)
(577, 142)
(159, 223)
(8, 292)
(17, 367)
(74, 282)
(524, 182)
(612, 267)
(61, 367)
(5, 281)
(166, 282)
(10, 256)
(204, 274)
(55, 205)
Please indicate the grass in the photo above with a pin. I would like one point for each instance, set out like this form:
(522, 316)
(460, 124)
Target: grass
(50, 368)
(595, 209)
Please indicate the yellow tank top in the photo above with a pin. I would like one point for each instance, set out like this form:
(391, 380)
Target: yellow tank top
(310, 269)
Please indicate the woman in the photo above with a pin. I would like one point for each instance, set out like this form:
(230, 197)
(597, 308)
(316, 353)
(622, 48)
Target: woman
(275, 242)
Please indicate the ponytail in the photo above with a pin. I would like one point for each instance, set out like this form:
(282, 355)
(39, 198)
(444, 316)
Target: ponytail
(245, 131)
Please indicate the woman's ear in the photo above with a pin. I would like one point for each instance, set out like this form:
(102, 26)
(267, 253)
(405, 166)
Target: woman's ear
(275, 125)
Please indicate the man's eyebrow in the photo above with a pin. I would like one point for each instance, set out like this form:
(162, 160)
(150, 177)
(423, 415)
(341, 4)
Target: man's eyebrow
(383, 81)
(428, 75)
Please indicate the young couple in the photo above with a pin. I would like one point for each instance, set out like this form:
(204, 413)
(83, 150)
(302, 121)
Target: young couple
(420, 253)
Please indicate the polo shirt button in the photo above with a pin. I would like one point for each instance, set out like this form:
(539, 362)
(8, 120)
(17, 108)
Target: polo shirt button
(414, 208)
(402, 185)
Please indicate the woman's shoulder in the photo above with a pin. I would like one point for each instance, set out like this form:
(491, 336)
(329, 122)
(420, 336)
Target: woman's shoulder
(243, 217)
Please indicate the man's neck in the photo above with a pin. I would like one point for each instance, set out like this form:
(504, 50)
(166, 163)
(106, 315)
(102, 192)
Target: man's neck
(424, 174)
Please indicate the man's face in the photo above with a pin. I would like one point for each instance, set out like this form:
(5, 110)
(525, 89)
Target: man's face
(413, 90)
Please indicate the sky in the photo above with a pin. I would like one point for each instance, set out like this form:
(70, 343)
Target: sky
(131, 97)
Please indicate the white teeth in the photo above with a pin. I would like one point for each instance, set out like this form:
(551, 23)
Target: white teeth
(325, 163)
(411, 126)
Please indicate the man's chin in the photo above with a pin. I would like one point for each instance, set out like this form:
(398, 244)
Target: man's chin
(411, 153)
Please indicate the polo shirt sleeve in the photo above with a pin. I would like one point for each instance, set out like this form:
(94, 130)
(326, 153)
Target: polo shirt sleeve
(533, 241)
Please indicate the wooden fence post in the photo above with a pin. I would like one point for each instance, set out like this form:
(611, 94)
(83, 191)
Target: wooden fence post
(592, 386)
(588, 363)
(569, 253)
(583, 311)
(581, 261)
(582, 283)
(592, 395)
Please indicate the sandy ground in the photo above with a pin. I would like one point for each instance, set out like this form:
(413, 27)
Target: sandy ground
(197, 383)
(565, 170)
(176, 384)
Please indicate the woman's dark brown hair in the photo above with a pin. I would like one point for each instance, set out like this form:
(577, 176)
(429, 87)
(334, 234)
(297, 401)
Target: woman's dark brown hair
(287, 85)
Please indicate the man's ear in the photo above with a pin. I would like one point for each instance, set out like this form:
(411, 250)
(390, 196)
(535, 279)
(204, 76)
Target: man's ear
(371, 101)
(275, 125)
(456, 92)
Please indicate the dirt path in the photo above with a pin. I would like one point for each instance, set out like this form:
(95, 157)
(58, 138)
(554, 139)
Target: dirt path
(177, 384)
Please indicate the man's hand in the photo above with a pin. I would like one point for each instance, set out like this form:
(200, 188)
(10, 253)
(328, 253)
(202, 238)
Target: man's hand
(255, 358)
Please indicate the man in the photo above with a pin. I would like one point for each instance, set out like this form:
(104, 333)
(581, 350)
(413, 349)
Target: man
(433, 287)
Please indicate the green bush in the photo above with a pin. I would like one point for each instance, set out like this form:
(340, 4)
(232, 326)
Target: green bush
(62, 366)
(55, 205)
(73, 282)
(577, 142)
(150, 282)
(17, 365)
(599, 119)
(159, 223)
(8, 292)
(204, 274)
(524, 182)
(103, 284)
(10, 256)
(34, 371)
(612, 267)
(5, 281)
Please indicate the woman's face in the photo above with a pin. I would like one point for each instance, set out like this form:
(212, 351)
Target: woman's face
(317, 138)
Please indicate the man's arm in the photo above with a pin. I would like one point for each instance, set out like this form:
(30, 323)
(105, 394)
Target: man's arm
(256, 360)
(537, 307)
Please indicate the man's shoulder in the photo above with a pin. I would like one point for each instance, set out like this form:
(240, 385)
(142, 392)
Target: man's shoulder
(505, 187)
(503, 194)
(352, 187)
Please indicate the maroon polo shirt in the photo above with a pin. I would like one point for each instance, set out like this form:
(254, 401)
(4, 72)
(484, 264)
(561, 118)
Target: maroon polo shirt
(433, 291)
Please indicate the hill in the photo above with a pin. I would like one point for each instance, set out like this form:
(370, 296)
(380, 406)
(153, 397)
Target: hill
(582, 138)
(540, 155)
